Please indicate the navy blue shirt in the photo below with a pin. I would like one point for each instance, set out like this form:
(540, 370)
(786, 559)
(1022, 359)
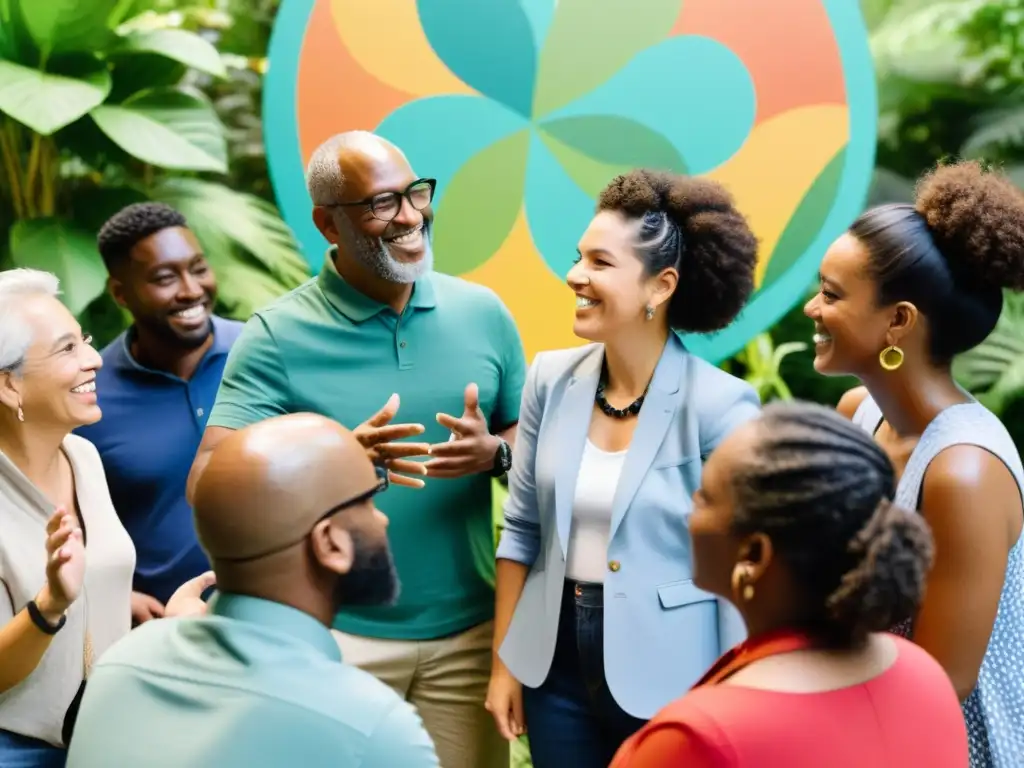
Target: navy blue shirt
(148, 437)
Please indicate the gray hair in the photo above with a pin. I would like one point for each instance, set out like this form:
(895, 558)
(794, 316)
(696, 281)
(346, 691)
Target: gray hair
(324, 179)
(15, 334)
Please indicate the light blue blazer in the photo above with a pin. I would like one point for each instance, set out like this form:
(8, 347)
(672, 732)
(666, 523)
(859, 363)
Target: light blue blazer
(661, 633)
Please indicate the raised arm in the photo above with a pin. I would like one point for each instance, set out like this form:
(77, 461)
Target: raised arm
(22, 642)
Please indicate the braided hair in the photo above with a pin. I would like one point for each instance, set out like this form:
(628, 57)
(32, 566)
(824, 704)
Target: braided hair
(692, 225)
(821, 489)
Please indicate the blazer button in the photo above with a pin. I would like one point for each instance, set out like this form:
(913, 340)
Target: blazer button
(613, 565)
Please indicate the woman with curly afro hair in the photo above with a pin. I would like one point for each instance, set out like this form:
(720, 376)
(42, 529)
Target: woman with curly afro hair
(903, 292)
(598, 622)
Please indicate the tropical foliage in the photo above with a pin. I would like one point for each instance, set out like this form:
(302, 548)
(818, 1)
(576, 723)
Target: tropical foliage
(101, 104)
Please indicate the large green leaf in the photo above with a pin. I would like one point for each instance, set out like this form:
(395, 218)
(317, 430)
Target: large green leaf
(224, 220)
(46, 101)
(171, 128)
(67, 26)
(176, 44)
(59, 247)
(994, 370)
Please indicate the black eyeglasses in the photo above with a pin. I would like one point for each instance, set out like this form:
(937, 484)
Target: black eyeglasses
(383, 483)
(386, 205)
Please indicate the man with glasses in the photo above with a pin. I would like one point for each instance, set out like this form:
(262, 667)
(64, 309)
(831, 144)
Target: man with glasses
(377, 320)
(285, 511)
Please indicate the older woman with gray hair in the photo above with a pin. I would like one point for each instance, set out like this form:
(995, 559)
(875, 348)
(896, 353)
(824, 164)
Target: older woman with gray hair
(57, 612)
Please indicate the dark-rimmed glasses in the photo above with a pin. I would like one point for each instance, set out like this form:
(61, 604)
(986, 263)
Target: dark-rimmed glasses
(382, 485)
(386, 205)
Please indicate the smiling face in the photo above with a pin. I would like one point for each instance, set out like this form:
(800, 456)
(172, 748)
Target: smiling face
(56, 384)
(611, 285)
(392, 241)
(850, 329)
(168, 287)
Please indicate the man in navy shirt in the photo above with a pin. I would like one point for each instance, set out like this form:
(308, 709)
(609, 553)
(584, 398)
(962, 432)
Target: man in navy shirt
(156, 389)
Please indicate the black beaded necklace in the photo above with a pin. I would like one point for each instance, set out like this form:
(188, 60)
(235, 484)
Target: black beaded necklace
(610, 410)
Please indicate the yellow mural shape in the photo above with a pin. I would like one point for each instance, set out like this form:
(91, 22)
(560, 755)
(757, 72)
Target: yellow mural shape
(542, 304)
(401, 57)
(778, 163)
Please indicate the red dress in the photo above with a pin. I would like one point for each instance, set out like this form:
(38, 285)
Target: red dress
(908, 716)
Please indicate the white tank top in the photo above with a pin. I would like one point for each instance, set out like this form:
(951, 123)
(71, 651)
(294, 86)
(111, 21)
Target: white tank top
(587, 558)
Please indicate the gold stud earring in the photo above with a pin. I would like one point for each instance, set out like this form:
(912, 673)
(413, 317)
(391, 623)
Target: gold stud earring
(649, 312)
(891, 357)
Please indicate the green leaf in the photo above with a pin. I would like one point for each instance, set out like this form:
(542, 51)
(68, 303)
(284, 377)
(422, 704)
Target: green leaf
(45, 101)
(616, 141)
(176, 44)
(480, 205)
(806, 221)
(996, 128)
(169, 128)
(66, 26)
(591, 40)
(224, 220)
(59, 247)
(994, 370)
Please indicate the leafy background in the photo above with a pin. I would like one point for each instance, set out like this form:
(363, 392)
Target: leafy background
(105, 102)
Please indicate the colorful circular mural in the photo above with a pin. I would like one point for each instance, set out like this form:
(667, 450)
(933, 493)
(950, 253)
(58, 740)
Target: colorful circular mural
(524, 109)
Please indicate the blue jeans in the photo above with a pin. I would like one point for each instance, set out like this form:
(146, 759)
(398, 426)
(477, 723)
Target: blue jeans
(17, 751)
(572, 719)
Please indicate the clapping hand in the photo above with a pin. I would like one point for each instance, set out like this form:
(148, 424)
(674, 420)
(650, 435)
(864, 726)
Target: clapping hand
(377, 434)
(65, 565)
(472, 448)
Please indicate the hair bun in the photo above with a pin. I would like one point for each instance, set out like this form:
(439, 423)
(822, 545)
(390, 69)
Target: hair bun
(894, 553)
(976, 218)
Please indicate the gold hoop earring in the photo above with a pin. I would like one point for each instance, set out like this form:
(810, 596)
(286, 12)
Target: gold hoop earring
(649, 312)
(891, 357)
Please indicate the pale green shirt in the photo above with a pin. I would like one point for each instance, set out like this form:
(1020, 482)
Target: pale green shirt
(254, 683)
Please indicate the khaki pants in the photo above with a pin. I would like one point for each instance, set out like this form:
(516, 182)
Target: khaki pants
(446, 680)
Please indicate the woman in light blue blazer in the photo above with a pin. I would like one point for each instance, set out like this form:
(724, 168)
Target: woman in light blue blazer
(598, 622)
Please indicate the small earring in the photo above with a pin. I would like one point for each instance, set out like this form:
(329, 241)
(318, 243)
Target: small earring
(21, 414)
(649, 312)
(891, 357)
(741, 583)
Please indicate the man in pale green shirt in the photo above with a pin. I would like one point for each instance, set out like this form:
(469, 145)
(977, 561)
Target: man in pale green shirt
(285, 511)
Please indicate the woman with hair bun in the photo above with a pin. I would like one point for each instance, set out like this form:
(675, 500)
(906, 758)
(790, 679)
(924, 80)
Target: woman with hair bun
(903, 292)
(794, 522)
(598, 622)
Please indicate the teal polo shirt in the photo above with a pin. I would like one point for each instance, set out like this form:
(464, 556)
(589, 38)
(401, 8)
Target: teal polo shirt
(253, 683)
(328, 349)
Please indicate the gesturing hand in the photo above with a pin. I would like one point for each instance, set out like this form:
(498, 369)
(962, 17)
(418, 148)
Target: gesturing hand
(473, 448)
(65, 563)
(376, 435)
(187, 599)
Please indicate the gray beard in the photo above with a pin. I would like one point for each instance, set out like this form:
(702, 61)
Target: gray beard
(373, 253)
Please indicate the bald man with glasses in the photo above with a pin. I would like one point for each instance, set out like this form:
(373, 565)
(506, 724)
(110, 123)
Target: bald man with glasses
(286, 512)
(378, 322)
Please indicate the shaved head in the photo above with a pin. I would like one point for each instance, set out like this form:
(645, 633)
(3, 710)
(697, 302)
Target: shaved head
(279, 483)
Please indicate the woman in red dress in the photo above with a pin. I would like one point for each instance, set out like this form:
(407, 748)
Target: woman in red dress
(794, 523)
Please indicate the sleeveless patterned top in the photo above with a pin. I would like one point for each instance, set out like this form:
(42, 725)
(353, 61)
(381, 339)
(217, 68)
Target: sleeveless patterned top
(994, 711)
